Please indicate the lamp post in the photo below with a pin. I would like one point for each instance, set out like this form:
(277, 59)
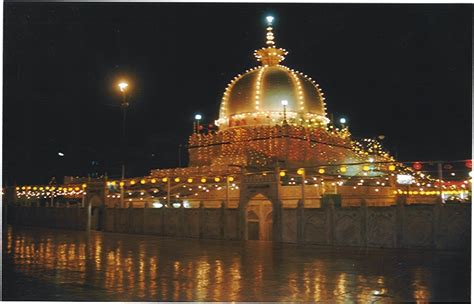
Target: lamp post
(123, 87)
(198, 118)
(343, 121)
(284, 103)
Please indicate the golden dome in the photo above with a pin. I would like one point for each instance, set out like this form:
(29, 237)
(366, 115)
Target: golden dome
(255, 98)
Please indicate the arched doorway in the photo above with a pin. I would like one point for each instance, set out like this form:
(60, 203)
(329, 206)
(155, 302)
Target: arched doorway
(95, 207)
(259, 219)
(253, 226)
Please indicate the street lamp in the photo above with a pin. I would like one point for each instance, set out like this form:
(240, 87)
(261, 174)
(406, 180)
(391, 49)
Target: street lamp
(284, 103)
(343, 121)
(123, 87)
(198, 118)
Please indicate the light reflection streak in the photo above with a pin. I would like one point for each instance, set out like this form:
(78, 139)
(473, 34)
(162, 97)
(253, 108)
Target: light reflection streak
(136, 270)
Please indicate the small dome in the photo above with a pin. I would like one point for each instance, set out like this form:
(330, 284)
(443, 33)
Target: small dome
(261, 91)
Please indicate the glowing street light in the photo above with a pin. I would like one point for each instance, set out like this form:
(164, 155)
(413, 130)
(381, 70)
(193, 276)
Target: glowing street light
(61, 154)
(198, 118)
(284, 103)
(123, 86)
(343, 122)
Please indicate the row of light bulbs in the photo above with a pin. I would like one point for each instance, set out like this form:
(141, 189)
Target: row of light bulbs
(167, 179)
(282, 173)
(51, 188)
(448, 192)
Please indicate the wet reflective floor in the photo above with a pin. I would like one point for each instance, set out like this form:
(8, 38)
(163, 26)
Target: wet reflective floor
(47, 264)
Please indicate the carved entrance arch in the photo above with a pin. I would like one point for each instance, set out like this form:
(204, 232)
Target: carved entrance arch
(95, 200)
(266, 186)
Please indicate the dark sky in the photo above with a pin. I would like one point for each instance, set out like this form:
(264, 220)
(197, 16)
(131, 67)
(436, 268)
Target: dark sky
(403, 71)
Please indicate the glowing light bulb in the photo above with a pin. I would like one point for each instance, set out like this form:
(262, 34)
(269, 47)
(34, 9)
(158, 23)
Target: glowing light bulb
(198, 117)
(122, 86)
(269, 19)
(284, 102)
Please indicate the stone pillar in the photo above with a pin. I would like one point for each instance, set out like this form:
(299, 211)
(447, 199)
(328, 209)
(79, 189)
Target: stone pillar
(162, 217)
(277, 221)
(88, 216)
(242, 219)
(182, 219)
(300, 222)
(277, 203)
(146, 207)
(437, 209)
(201, 220)
(78, 218)
(223, 215)
(400, 220)
(364, 222)
(330, 229)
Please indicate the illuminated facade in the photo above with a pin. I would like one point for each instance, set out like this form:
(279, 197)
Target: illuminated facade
(272, 116)
(275, 117)
(275, 151)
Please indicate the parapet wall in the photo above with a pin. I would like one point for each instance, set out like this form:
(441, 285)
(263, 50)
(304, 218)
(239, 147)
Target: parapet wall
(411, 226)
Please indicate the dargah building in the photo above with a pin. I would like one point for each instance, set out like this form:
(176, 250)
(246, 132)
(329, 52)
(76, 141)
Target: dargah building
(275, 147)
(277, 168)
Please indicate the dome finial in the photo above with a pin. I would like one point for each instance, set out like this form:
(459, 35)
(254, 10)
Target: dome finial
(269, 20)
(269, 36)
(270, 55)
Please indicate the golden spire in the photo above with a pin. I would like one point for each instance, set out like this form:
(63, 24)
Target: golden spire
(270, 55)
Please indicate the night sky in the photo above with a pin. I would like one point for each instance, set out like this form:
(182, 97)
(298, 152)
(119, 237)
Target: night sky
(403, 71)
